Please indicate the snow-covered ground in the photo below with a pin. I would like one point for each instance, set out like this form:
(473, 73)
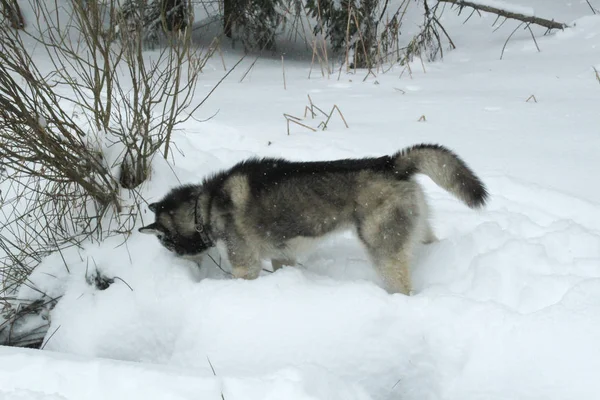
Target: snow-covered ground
(35, 375)
(506, 304)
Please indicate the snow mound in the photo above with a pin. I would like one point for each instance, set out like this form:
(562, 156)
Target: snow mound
(494, 296)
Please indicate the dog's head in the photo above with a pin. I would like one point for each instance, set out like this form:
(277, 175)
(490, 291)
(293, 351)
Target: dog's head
(175, 222)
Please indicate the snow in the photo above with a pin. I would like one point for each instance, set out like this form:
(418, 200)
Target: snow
(506, 304)
(53, 376)
(494, 297)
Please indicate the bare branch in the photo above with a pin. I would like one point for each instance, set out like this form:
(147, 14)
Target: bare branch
(550, 24)
(594, 10)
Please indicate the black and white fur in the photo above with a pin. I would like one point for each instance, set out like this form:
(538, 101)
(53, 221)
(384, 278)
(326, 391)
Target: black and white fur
(269, 208)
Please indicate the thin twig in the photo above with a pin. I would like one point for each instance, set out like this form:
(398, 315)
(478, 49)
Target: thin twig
(50, 337)
(533, 37)
(508, 38)
(218, 264)
(532, 97)
(296, 120)
(283, 72)
(215, 374)
(249, 68)
(122, 280)
(593, 9)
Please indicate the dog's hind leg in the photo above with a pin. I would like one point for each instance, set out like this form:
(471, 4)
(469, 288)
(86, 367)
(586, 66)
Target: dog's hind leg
(389, 235)
(395, 272)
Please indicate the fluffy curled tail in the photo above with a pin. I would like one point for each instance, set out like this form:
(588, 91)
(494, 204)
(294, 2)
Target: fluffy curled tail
(446, 169)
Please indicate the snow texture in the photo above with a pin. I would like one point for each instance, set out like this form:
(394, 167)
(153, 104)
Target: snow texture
(53, 376)
(506, 304)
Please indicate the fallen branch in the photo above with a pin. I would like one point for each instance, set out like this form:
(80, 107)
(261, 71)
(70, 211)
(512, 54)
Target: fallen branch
(550, 24)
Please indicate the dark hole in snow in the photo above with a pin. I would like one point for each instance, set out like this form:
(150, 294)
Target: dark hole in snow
(99, 281)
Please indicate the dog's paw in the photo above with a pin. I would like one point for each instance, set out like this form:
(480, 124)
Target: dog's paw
(244, 273)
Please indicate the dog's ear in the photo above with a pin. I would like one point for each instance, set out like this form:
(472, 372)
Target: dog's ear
(152, 229)
(152, 207)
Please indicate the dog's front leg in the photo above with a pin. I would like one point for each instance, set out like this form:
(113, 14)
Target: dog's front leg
(245, 261)
(246, 272)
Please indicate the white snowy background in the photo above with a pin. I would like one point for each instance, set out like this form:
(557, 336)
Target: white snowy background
(506, 304)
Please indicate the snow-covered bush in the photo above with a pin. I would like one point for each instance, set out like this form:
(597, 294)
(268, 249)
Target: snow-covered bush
(74, 144)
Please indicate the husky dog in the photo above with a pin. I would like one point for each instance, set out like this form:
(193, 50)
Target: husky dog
(267, 208)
